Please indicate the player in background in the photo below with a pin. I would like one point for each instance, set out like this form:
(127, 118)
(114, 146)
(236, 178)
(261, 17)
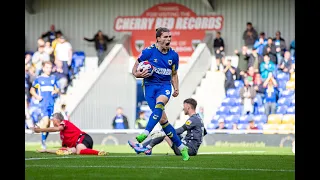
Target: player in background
(157, 88)
(74, 141)
(193, 139)
(45, 89)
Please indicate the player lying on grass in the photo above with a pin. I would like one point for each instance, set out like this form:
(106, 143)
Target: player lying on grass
(74, 141)
(193, 139)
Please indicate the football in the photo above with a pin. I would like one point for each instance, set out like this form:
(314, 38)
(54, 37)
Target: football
(145, 65)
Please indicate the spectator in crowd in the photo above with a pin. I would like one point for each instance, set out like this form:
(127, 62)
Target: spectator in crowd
(260, 43)
(39, 57)
(266, 67)
(48, 49)
(271, 94)
(141, 122)
(219, 59)
(235, 126)
(229, 72)
(27, 60)
(221, 124)
(61, 76)
(285, 63)
(260, 90)
(55, 42)
(51, 34)
(255, 60)
(40, 42)
(252, 125)
(64, 112)
(100, 41)
(280, 44)
(247, 94)
(64, 53)
(293, 48)
(120, 121)
(270, 49)
(250, 74)
(249, 35)
(218, 46)
(243, 60)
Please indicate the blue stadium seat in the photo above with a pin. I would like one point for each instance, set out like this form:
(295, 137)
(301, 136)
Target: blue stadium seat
(293, 102)
(228, 125)
(282, 84)
(259, 110)
(242, 126)
(291, 110)
(260, 126)
(211, 126)
(262, 118)
(223, 110)
(244, 119)
(227, 102)
(287, 93)
(216, 118)
(255, 100)
(233, 93)
(281, 109)
(232, 119)
(284, 101)
(238, 84)
(237, 102)
(283, 76)
(236, 110)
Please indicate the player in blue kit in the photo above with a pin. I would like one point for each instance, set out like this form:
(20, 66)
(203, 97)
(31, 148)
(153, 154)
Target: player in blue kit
(157, 87)
(44, 89)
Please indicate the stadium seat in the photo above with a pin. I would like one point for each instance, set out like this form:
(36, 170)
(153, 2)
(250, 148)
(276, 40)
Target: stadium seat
(267, 127)
(233, 93)
(216, 118)
(242, 126)
(237, 102)
(228, 125)
(236, 110)
(232, 119)
(293, 102)
(255, 100)
(288, 119)
(291, 110)
(228, 102)
(238, 84)
(281, 84)
(283, 76)
(260, 118)
(286, 93)
(259, 110)
(293, 76)
(244, 119)
(223, 110)
(274, 118)
(211, 126)
(290, 85)
(285, 127)
(281, 109)
(260, 126)
(284, 101)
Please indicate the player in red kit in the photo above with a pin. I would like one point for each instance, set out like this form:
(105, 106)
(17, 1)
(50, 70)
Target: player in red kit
(74, 141)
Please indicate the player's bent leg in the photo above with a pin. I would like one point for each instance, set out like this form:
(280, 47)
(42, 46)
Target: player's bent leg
(154, 117)
(171, 133)
(85, 147)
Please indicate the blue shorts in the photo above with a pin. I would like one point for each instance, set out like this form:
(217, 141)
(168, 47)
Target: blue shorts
(153, 91)
(46, 111)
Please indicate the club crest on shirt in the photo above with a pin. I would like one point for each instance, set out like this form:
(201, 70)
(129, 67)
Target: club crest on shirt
(188, 122)
(170, 62)
(139, 45)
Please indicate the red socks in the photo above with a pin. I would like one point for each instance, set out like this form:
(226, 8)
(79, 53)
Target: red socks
(89, 152)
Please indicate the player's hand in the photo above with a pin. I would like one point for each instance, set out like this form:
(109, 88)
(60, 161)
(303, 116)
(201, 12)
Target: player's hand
(143, 74)
(54, 92)
(39, 98)
(175, 93)
(36, 129)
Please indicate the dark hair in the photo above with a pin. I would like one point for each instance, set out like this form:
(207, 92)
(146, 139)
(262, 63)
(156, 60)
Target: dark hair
(262, 34)
(58, 116)
(218, 32)
(160, 30)
(249, 23)
(46, 62)
(192, 102)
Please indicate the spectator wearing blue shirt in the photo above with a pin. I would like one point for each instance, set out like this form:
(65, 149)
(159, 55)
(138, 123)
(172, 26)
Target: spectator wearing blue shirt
(260, 43)
(266, 67)
(271, 93)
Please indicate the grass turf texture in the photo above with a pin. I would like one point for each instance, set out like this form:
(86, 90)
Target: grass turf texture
(243, 163)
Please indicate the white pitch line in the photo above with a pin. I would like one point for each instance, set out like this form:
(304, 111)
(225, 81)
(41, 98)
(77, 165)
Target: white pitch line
(168, 167)
(79, 157)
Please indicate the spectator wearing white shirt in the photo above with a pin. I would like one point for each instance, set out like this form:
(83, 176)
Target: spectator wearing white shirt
(38, 58)
(64, 53)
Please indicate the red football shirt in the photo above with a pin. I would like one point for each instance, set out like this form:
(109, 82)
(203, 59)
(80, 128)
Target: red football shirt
(70, 134)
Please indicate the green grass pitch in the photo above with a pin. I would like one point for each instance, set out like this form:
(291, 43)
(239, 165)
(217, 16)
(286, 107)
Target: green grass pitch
(215, 163)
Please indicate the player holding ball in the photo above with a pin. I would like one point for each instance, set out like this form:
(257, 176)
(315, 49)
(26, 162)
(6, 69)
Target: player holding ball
(157, 85)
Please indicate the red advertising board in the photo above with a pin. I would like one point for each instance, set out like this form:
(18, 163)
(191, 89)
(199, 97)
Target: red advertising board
(187, 29)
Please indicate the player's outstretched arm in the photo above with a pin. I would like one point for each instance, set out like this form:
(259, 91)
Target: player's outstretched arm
(50, 129)
(175, 83)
